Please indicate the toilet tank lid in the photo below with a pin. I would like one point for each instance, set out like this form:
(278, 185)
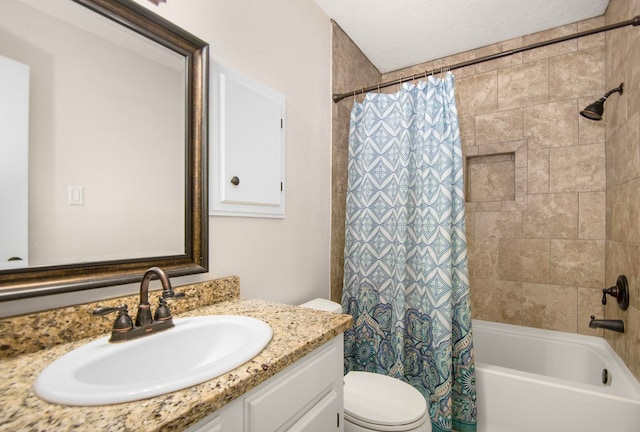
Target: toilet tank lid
(323, 305)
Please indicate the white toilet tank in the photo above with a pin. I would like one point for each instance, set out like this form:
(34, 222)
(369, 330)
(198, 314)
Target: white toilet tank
(323, 305)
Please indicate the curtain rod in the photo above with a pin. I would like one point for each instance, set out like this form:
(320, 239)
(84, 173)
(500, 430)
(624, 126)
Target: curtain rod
(337, 97)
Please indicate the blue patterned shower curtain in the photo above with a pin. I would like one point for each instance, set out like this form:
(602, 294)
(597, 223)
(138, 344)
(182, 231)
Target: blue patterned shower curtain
(406, 278)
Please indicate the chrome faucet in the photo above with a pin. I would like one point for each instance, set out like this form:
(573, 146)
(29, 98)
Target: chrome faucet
(615, 325)
(124, 328)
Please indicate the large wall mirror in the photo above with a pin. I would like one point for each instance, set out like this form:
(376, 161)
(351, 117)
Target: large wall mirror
(103, 138)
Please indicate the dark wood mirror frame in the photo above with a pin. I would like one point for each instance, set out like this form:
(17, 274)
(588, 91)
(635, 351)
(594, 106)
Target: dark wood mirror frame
(40, 281)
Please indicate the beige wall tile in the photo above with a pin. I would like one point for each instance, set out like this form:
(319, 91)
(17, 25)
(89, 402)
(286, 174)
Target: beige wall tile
(623, 212)
(470, 222)
(592, 41)
(511, 60)
(552, 124)
(491, 181)
(523, 260)
(496, 300)
(632, 83)
(592, 215)
(455, 59)
(576, 74)
(504, 147)
(579, 262)
(498, 224)
(523, 85)
(623, 153)
(577, 168)
(551, 216)
(477, 94)
(418, 69)
(538, 171)
(500, 126)
(552, 307)
(482, 257)
(467, 130)
(550, 50)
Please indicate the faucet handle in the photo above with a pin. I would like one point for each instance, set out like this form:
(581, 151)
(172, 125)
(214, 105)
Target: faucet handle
(101, 311)
(162, 311)
(123, 320)
(620, 291)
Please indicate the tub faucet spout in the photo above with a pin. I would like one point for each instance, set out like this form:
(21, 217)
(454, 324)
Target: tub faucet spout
(615, 325)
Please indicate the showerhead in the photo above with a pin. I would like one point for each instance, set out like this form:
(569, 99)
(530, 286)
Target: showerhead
(596, 109)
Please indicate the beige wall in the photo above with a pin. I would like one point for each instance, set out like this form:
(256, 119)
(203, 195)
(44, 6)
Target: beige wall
(623, 176)
(285, 45)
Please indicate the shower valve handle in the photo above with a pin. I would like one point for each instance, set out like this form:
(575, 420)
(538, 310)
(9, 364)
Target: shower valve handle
(620, 292)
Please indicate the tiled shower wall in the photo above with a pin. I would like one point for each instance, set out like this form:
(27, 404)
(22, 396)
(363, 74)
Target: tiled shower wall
(536, 184)
(536, 225)
(536, 175)
(623, 176)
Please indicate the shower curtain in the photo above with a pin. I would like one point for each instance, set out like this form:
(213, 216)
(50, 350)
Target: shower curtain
(406, 278)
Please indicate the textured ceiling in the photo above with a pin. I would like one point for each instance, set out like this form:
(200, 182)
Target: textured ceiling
(397, 33)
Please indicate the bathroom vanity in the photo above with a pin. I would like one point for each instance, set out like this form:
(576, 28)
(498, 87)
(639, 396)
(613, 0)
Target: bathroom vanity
(295, 383)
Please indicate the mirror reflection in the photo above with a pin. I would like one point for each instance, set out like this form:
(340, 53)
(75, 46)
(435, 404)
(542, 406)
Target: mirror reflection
(95, 145)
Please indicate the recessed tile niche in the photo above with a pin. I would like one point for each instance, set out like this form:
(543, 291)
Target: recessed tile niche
(491, 177)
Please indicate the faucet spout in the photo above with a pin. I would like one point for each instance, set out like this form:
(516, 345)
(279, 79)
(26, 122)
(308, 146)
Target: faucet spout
(144, 285)
(615, 325)
(144, 308)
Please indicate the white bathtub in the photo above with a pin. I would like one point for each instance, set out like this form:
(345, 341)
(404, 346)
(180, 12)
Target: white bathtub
(532, 380)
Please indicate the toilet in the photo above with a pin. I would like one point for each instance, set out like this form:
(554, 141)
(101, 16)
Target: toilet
(375, 402)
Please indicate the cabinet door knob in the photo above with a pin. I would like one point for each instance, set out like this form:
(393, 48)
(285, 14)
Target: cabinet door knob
(235, 181)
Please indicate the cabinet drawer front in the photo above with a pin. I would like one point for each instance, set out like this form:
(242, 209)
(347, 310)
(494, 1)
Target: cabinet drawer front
(294, 393)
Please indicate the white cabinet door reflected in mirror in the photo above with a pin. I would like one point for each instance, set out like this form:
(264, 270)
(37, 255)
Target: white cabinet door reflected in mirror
(14, 175)
(248, 129)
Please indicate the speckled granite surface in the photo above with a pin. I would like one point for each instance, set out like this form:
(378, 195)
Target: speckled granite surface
(68, 324)
(296, 332)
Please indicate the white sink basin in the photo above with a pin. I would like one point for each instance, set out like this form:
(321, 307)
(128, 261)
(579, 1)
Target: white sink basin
(196, 350)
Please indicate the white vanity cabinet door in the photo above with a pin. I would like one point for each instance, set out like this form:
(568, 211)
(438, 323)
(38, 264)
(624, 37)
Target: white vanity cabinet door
(324, 416)
(311, 389)
(305, 397)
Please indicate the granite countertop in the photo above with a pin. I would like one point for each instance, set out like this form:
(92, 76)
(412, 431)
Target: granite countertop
(296, 332)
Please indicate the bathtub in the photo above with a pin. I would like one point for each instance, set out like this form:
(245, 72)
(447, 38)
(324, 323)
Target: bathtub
(532, 380)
